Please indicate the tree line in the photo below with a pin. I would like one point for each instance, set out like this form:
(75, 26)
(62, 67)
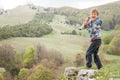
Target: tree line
(25, 30)
(35, 63)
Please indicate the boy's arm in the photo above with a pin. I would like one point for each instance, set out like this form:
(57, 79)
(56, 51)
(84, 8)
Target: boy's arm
(84, 23)
(99, 21)
(81, 27)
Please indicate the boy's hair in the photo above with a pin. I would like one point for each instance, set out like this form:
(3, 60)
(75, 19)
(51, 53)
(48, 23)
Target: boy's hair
(94, 11)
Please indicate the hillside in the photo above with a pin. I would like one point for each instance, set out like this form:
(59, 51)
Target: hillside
(24, 14)
(110, 14)
(33, 36)
(18, 15)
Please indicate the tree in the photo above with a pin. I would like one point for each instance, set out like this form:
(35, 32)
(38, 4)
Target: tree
(7, 58)
(41, 73)
(74, 32)
(23, 74)
(79, 60)
(107, 39)
(114, 46)
(28, 57)
(1, 77)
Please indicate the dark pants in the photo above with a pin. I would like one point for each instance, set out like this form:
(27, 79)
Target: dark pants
(93, 49)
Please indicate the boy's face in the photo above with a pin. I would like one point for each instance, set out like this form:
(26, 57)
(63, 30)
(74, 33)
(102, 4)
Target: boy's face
(94, 16)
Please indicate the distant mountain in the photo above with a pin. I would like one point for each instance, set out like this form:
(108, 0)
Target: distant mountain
(18, 15)
(110, 14)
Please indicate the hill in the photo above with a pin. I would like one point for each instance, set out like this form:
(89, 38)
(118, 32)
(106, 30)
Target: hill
(57, 24)
(18, 15)
(110, 14)
(24, 14)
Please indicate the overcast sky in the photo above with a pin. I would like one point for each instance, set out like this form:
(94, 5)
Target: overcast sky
(81, 4)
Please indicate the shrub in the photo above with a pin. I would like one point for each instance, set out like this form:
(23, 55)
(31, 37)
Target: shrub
(28, 57)
(50, 64)
(79, 60)
(23, 74)
(56, 57)
(14, 71)
(117, 27)
(53, 55)
(74, 32)
(107, 39)
(7, 58)
(41, 53)
(114, 47)
(41, 73)
(115, 43)
(1, 77)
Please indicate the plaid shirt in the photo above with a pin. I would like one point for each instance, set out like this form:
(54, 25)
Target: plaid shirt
(94, 28)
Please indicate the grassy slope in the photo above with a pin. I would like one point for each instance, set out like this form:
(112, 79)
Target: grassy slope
(18, 15)
(68, 45)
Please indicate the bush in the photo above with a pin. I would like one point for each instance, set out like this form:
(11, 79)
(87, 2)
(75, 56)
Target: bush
(30, 29)
(117, 27)
(7, 58)
(53, 55)
(41, 73)
(28, 57)
(74, 32)
(114, 47)
(107, 39)
(14, 71)
(56, 57)
(1, 77)
(50, 64)
(23, 74)
(79, 60)
(105, 48)
(115, 43)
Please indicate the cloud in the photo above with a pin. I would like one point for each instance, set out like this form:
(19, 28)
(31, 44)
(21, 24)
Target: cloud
(9, 4)
(73, 3)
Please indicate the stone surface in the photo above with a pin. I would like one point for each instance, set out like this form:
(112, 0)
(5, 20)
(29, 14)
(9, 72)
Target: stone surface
(70, 72)
(85, 74)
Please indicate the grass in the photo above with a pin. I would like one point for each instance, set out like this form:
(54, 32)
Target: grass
(19, 15)
(68, 45)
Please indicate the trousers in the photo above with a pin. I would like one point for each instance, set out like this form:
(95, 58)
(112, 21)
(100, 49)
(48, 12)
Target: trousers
(93, 50)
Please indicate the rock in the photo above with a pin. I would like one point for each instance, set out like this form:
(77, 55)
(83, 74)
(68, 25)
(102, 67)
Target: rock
(70, 72)
(2, 70)
(85, 74)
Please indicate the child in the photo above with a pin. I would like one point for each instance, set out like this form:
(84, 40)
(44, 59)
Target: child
(93, 25)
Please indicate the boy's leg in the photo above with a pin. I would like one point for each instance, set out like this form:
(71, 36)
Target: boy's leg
(96, 57)
(89, 55)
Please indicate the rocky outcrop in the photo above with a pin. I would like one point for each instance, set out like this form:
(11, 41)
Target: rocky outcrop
(83, 74)
(70, 72)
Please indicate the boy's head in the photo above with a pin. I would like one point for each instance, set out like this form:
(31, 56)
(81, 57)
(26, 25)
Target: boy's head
(94, 14)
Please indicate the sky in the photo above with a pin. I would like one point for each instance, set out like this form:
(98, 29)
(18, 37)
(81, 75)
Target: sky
(80, 4)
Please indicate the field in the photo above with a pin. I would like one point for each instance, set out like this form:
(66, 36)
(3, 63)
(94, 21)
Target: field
(18, 15)
(67, 45)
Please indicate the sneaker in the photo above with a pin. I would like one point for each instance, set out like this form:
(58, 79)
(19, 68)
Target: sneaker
(89, 66)
(100, 67)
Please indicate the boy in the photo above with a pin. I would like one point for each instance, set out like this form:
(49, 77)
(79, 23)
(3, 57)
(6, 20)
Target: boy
(93, 25)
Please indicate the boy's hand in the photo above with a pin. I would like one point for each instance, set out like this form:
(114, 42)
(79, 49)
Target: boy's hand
(86, 21)
(80, 28)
